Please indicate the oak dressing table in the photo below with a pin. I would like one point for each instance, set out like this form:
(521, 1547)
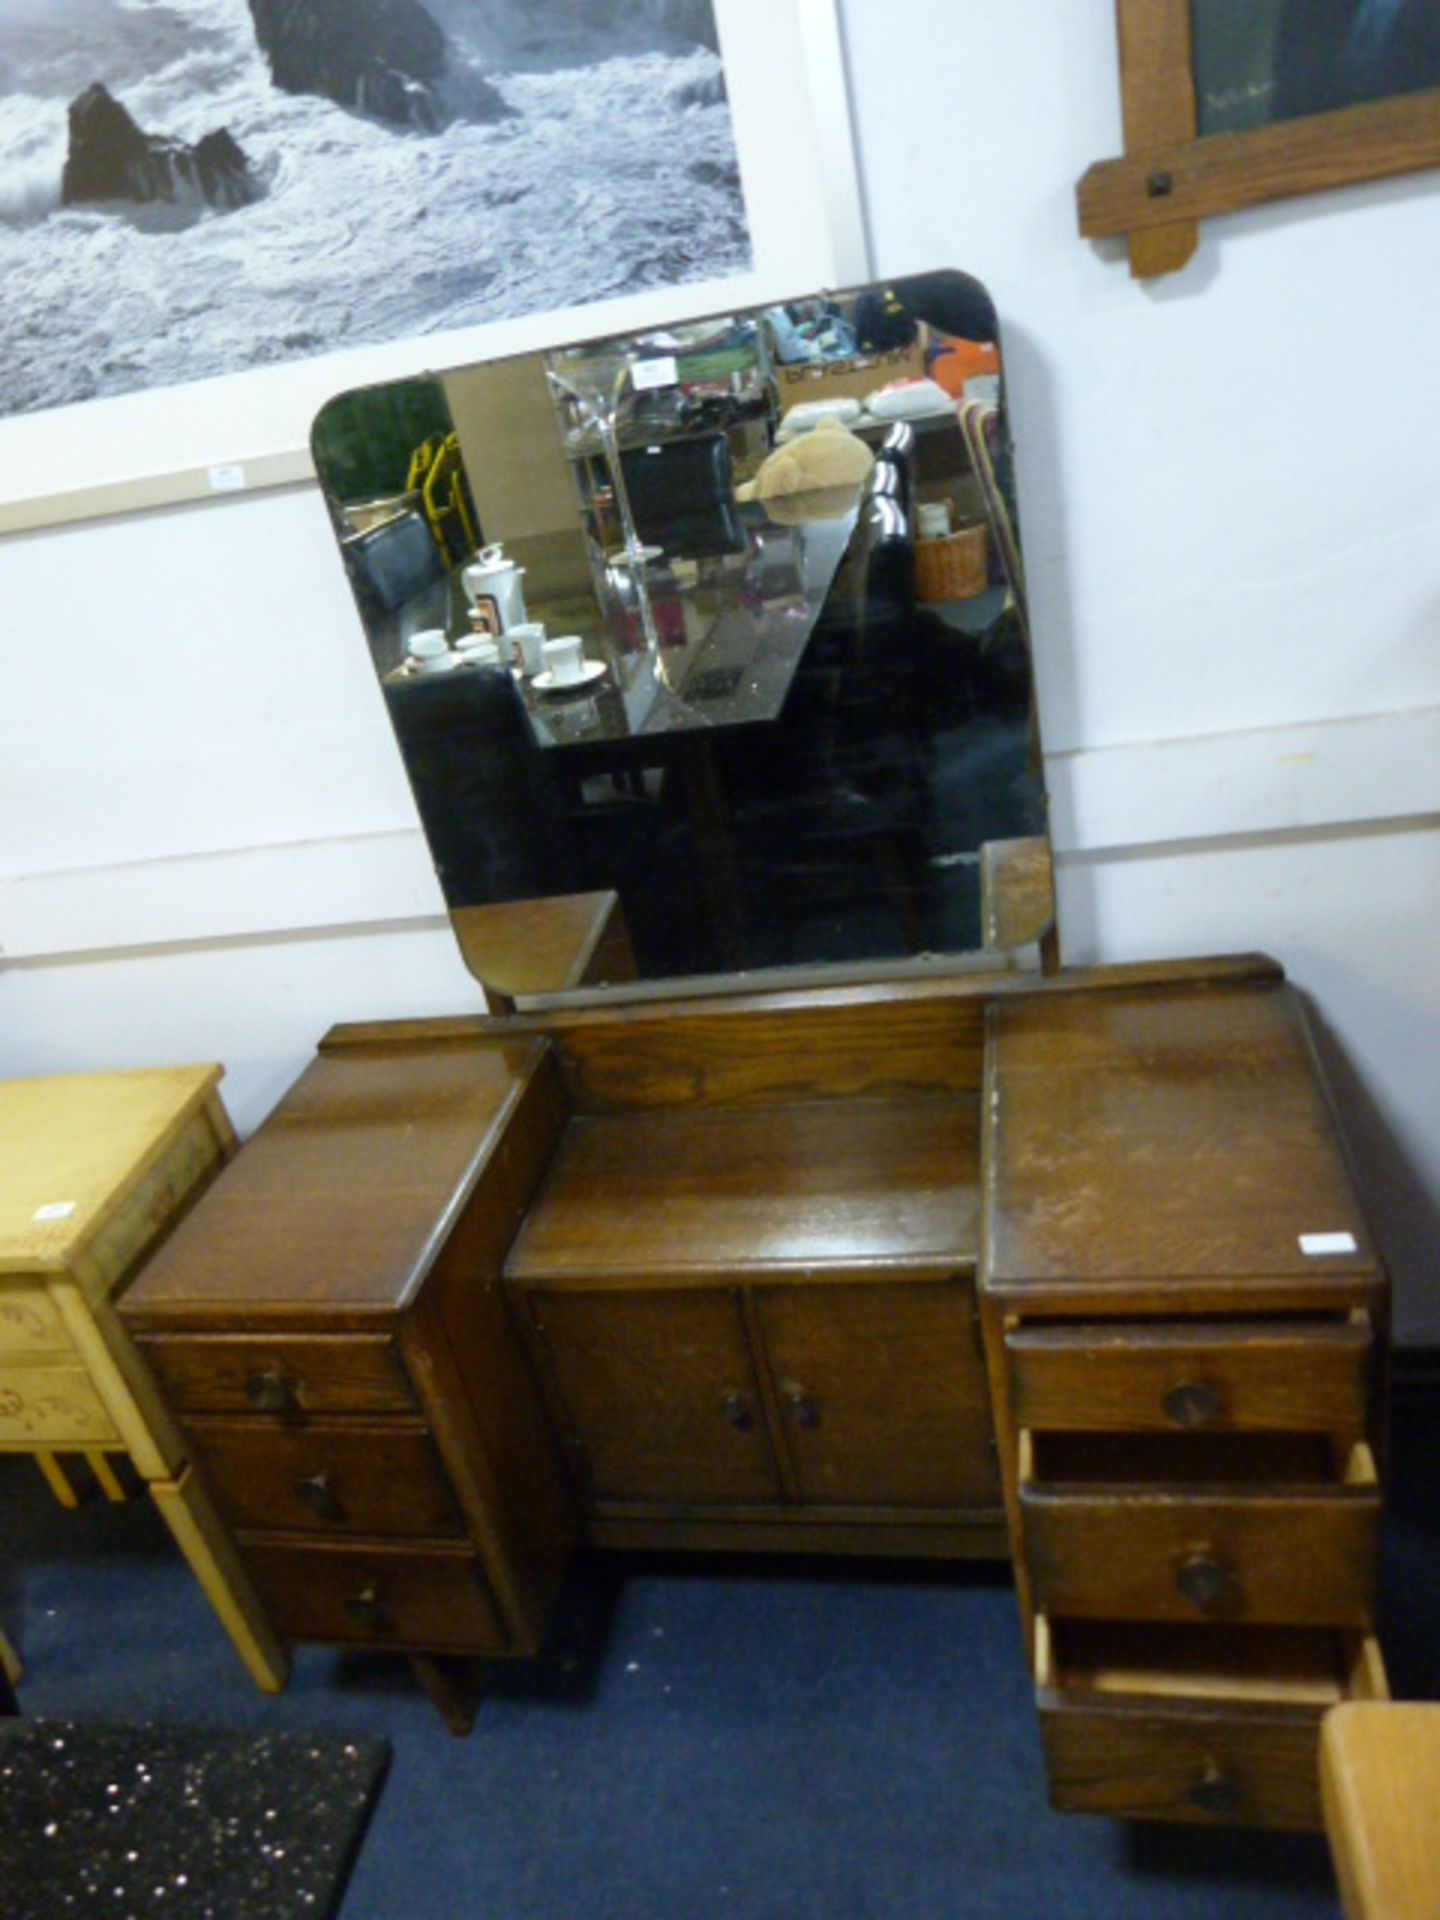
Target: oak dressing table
(889, 1254)
(704, 1275)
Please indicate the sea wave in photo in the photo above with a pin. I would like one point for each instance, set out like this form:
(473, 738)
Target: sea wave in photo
(612, 171)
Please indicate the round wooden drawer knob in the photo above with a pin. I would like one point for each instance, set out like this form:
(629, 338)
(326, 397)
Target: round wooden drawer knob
(319, 1497)
(803, 1410)
(1194, 1403)
(1207, 1583)
(369, 1610)
(1215, 1792)
(267, 1391)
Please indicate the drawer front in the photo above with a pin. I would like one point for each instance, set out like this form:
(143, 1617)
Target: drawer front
(427, 1598)
(1211, 1724)
(1303, 1557)
(1188, 1762)
(194, 1156)
(324, 1477)
(1309, 1378)
(30, 1322)
(319, 1373)
(52, 1407)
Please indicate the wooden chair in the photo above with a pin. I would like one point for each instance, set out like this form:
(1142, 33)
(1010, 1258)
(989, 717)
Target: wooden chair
(1380, 1781)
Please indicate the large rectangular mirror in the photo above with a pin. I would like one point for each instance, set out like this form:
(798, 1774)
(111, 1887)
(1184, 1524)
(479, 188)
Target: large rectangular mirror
(706, 648)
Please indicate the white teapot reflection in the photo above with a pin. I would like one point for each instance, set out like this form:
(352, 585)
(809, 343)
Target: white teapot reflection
(493, 587)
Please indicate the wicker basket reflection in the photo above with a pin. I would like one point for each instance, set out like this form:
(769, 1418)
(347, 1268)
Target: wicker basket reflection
(954, 567)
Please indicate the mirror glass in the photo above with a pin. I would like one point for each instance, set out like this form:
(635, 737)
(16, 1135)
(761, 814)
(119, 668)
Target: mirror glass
(706, 647)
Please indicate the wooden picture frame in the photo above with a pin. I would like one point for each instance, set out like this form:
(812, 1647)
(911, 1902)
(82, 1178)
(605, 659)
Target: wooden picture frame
(1169, 178)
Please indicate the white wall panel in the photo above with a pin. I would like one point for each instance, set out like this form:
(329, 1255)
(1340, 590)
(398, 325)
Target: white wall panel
(1231, 512)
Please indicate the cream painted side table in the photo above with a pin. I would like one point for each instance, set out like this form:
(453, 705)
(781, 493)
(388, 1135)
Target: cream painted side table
(93, 1170)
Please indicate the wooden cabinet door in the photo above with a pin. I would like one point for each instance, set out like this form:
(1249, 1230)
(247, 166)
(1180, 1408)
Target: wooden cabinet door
(882, 1393)
(661, 1392)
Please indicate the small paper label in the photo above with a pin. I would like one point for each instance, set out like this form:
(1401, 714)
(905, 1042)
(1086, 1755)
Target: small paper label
(229, 479)
(57, 1210)
(648, 374)
(1313, 1243)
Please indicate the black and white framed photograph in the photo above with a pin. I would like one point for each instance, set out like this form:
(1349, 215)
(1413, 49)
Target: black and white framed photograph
(260, 201)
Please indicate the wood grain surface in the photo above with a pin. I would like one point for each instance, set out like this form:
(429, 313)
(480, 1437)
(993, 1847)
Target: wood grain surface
(1227, 171)
(1380, 1779)
(76, 1147)
(1167, 1138)
(1157, 99)
(346, 1193)
(312, 1373)
(808, 1010)
(660, 1391)
(1227, 1375)
(1295, 1552)
(334, 1477)
(518, 947)
(377, 1593)
(881, 1394)
(726, 1191)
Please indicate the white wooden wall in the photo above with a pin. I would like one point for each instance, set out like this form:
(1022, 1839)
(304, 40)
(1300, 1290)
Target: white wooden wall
(1231, 509)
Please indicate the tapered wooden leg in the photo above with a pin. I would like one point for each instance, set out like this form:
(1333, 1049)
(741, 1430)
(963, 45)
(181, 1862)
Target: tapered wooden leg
(55, 1478)
(105, 1474)
(454, 1687)
(186, 1510)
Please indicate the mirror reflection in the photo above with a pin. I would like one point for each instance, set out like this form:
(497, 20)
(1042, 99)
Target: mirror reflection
(706, 648)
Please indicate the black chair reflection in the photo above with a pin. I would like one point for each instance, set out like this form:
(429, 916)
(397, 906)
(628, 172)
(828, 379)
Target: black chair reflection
(507, 820)
(827, 815)
(392, 563)
(491, 814)
(682, 496)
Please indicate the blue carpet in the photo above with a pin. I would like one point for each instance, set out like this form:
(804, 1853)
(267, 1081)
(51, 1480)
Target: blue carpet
(778, 1742)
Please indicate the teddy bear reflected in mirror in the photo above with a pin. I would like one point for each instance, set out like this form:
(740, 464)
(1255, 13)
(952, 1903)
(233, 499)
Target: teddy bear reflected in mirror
(826, 459)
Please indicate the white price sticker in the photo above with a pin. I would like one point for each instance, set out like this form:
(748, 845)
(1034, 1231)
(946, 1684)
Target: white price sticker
(649, 374)
(1317, 1243)
(229, 479)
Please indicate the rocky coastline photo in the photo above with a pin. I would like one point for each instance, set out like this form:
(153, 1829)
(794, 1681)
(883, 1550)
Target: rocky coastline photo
(201, 187)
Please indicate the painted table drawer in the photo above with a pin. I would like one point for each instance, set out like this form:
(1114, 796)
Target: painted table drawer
(377, 1594)
(30, 1321)
(52, 1407)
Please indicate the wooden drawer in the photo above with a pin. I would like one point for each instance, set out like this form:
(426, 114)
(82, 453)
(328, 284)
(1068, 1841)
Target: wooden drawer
(1215, 1725)
(194, 1156)
(317, 1373)
(1309, 1376)
(30, 1322)
(413, 1596)
(1264, 1528)
(52, 1407)
(327, 1477)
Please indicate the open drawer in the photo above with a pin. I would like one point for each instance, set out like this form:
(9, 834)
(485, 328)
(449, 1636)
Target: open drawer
(1217, 1725)
(1275, 1529)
